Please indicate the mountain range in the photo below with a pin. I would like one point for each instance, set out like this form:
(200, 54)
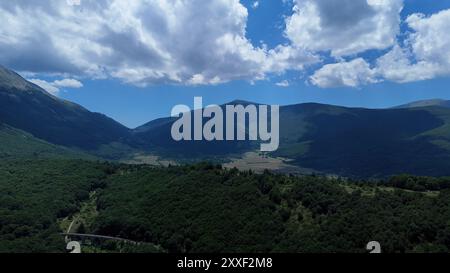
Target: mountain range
(425, 103)
(352, 142)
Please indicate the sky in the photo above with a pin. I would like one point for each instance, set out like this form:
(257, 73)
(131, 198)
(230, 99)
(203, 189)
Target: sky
(135, 60)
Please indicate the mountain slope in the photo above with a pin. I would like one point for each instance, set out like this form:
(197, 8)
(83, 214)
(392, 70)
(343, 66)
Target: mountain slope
(426, 103)
(155, 136)
(19, 144)
(331, 139)
(365, 142)
(28, 107)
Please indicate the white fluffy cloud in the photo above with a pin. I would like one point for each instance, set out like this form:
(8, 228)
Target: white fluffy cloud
(353, 74)
(397, 66)
(197, 42)
(69, 83)
(425, 55)
(55, 86)
(344, 27)
(140, 42)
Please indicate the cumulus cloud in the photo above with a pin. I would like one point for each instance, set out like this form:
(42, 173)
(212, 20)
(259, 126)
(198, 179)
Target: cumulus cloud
(255, 5)
(69, 83)
(425, 55)
(397, 66)
(354, 73)
(55, 86)
(344, 27)
(199, 42)
(139, 42)
(288, 57)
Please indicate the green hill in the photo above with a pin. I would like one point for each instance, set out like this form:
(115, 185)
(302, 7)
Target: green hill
(27, 107)
(35, 194)
(19, 144)
(206, 209)
(353, 142)
(367, 142)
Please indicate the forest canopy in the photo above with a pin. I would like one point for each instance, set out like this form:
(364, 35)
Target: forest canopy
(206, 208)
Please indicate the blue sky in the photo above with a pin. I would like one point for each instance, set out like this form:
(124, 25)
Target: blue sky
(133, 100)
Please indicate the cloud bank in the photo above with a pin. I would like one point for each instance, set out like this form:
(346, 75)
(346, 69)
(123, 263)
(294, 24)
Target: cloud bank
(424, 55)
(197, 42)
(139, 42)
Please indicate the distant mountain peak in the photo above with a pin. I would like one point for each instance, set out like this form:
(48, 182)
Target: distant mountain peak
(426, 103)
(239, 102)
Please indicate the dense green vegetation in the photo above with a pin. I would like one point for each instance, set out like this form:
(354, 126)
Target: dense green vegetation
(19, 144)
(184, 209)
(35, 194)
(205, 208)
(361, 143)
(418, 183)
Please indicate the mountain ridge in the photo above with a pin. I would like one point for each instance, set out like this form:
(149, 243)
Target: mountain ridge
(426, 103)
(27, 107)
(333, 139)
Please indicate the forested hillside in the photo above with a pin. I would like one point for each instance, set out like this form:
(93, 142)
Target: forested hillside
(205, 208)
(16, 144)
(35, 194)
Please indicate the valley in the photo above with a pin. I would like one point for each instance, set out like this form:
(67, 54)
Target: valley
(334, 184)
(259, 162)
(319, 138)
